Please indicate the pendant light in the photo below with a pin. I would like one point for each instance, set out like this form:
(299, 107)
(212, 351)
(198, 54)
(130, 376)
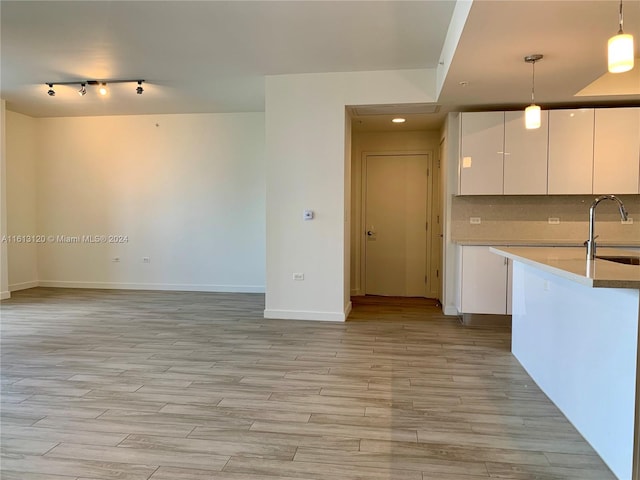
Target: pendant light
(621, 49)
(532, 112)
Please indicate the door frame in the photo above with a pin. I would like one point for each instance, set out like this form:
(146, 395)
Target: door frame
(360, 213)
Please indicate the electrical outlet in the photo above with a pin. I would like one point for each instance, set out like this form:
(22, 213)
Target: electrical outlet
(298, 276)
(554, 221)
(146, 260)
(628, 221)
(475, 220)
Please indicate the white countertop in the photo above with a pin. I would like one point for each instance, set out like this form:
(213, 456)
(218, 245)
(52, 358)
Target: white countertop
(571, 263)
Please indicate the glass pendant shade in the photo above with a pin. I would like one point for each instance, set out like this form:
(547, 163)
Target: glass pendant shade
(532, 117)
(621, 53)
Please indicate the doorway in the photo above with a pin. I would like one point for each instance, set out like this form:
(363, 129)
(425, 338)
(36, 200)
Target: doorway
(395, 224)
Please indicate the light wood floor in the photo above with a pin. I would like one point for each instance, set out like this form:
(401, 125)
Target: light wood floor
(173, 386)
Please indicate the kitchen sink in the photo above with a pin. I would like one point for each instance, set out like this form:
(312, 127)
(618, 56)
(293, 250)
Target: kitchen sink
(625, 259)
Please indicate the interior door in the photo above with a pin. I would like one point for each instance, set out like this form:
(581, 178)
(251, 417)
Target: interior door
(395, 225)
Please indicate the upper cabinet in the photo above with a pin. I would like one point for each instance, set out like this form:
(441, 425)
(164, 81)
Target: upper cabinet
(525, 155)
(616, 162)
(481, 153)
(574, 152)
(571, 151)
(500, 156)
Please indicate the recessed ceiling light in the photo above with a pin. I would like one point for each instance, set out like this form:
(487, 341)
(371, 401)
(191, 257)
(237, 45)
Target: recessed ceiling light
(399, 120)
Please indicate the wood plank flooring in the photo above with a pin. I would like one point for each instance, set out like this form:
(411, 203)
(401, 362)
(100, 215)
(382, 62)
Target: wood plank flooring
(133, 385)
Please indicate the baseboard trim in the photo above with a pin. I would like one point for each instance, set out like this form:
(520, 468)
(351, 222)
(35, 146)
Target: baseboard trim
(177, 287)
(486, 320)
(347, 310)
(451, 310)
(6, 295)
(305, 315)
(23, 286)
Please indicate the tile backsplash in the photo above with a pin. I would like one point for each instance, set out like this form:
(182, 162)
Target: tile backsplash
(526, 218)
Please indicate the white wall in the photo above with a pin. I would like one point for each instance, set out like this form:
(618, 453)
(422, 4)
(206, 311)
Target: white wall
(187, 191)
(306, 149)
(21, 151)
(376, 142)
(4, 271)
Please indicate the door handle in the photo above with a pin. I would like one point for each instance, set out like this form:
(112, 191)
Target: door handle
(370, 233)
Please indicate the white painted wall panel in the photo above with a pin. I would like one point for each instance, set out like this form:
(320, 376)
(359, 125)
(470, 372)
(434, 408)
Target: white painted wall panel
(22, 154)
(187, 191)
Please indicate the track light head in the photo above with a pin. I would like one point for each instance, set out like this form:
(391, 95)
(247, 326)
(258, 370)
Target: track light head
(83, 90)
(103, 89)
(51, 92)
(139, 90)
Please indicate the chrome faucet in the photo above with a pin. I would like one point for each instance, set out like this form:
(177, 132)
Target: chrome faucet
(591, 243)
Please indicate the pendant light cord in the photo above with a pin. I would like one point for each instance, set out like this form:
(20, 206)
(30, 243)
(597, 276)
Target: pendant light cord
(620, 32)
(533, 80)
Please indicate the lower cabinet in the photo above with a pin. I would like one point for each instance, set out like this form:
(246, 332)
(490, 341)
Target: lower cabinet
(485, 285)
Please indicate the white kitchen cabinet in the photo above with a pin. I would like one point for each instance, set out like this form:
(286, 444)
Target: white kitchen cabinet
(616, 162)
(571, 151)
(485, 281)
(481, 153)
(525, 155)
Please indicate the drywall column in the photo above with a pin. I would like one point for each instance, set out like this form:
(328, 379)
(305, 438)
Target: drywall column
(308, 144)
(4, 269)
(450, 274)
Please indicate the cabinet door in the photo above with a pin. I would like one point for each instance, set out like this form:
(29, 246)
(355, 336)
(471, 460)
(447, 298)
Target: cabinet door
(616, 157)
(481, 153)
(571, 151)
(484, 281)
(525, 155)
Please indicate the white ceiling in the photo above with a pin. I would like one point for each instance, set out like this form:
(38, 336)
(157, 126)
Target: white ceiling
(202, 56)
(212, 56)
(572, 35)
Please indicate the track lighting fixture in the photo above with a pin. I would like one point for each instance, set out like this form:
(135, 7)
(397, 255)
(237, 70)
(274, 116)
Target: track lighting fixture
(620, 49)
(532, 112)
(101, 84)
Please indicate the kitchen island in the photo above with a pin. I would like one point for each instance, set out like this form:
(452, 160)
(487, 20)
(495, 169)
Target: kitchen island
(575, 331)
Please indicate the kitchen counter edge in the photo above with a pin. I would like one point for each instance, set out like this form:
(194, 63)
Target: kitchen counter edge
(571, 264)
